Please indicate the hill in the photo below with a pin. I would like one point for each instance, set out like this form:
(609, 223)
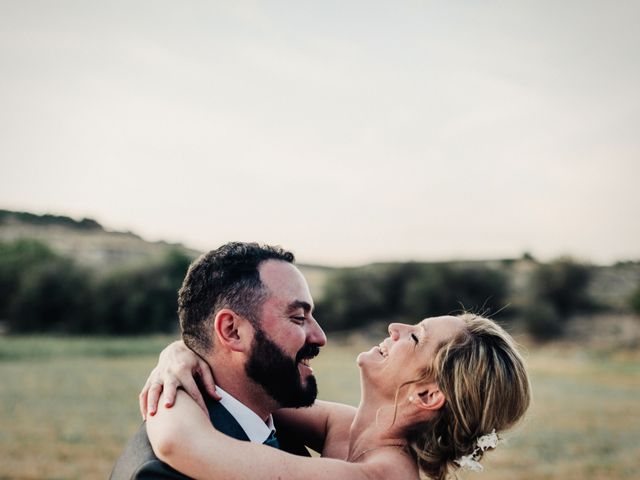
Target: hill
(85, 240)
(91, 244)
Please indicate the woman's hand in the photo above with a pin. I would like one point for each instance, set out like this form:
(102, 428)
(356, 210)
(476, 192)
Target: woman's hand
(177, 367)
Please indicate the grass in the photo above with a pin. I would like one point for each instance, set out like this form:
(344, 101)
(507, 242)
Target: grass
(68, 406)
(41, 348)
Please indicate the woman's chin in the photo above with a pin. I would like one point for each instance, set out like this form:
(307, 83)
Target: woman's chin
(370, 357)
(361, 359)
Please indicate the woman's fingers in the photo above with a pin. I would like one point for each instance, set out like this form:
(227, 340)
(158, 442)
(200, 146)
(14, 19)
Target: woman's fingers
(142, 400)
(169, 392)
(177, 368)
(206, 378)
(154, 395)
(190, 386)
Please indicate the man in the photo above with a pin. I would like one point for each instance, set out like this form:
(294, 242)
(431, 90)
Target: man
(245, 309)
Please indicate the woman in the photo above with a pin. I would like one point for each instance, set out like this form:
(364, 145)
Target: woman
(433, 396)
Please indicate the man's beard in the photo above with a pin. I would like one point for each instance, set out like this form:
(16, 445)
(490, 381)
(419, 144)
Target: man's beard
(278, 374)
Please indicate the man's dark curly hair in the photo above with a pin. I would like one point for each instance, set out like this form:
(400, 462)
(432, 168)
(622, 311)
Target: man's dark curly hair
(227, 277)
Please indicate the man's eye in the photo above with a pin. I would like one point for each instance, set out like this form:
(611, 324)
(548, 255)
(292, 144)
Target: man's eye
(415, 339)
(298, 318)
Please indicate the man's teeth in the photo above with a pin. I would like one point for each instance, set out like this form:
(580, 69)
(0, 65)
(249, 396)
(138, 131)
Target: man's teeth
(383, 350)
(305, 362)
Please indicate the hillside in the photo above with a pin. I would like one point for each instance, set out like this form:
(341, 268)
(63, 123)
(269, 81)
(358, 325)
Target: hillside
(91, 244)
(85, 240)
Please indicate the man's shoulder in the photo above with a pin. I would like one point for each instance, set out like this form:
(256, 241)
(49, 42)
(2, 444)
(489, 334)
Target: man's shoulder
(139, 462)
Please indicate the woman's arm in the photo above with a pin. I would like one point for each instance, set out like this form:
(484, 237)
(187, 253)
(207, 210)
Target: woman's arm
(324, 426)
(184, 438)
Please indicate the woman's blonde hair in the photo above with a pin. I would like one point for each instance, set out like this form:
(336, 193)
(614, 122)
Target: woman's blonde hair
(486, 387)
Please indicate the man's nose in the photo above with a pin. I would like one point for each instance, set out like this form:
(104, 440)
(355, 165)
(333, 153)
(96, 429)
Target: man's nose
(315, 334)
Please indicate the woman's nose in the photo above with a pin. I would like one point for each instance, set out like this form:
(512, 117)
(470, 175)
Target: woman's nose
(395, 329)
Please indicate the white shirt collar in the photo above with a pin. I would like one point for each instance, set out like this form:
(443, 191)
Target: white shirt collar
(255, 428)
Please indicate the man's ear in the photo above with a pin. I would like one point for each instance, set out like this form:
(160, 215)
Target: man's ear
(232, 330)
(428, 397)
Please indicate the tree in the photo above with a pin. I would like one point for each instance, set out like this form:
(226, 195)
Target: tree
(54, 296)
(559, 290)
(408, 292)
(634, 300)
(352, 298)
(542, 321)
(15, 258)
(40, 290)
(443, 289)
(142, 300)
(563, 284)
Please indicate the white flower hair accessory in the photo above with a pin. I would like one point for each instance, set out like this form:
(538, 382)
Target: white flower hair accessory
(483, 443)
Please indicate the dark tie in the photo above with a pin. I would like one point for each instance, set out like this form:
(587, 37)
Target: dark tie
(272, 440)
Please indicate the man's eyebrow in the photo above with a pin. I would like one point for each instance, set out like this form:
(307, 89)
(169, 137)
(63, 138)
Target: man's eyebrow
(296, 304)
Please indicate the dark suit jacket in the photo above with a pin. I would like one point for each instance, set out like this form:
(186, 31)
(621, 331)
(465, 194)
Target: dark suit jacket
(139, 462)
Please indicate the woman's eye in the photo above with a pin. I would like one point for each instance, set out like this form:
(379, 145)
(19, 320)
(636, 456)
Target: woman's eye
(415, 339)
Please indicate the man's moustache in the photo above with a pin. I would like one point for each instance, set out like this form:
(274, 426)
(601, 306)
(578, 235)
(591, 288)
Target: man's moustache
(307, 351)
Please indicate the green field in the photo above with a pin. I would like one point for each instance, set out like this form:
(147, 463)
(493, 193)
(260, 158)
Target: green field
(67, 406)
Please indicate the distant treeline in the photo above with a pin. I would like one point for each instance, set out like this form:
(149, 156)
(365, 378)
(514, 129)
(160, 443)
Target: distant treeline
(48, 219)
(41, 291)
(408, 292)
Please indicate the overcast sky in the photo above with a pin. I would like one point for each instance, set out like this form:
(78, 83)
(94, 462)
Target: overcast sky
(346, 131)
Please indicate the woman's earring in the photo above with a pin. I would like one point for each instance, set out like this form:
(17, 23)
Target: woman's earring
(411, 398)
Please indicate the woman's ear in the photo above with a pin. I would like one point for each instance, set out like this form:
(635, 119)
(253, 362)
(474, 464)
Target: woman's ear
(428, 397)
(232, 330)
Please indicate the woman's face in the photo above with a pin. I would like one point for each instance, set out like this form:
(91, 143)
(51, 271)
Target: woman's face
(403, 355)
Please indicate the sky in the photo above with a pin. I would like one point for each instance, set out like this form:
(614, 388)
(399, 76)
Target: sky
(348, 132)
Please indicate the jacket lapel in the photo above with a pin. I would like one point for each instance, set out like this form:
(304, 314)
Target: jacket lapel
(223, 421)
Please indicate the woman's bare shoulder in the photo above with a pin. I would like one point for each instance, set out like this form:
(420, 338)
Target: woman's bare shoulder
(392, 463)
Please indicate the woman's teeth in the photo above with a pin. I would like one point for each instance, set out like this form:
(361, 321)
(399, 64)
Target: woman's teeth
(383, 350)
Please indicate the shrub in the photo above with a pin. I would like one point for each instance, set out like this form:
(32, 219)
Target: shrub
(352, 298)
(40, 290)
(16, 258)
(54, 296)
(542, 321)
(634, 301)
(407, 292)
(443, 289)
(557, 291)
(142, 300)
(563, 285)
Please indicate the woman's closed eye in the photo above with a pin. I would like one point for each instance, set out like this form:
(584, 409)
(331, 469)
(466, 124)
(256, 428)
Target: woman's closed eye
(415, 338)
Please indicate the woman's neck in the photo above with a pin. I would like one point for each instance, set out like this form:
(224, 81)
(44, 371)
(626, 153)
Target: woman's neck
(377, 424)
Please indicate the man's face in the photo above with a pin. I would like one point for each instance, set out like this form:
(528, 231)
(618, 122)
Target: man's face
(287, 338)
(279, 375)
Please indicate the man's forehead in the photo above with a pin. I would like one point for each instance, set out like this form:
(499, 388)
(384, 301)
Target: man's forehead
(278, 270)
(284, 280)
